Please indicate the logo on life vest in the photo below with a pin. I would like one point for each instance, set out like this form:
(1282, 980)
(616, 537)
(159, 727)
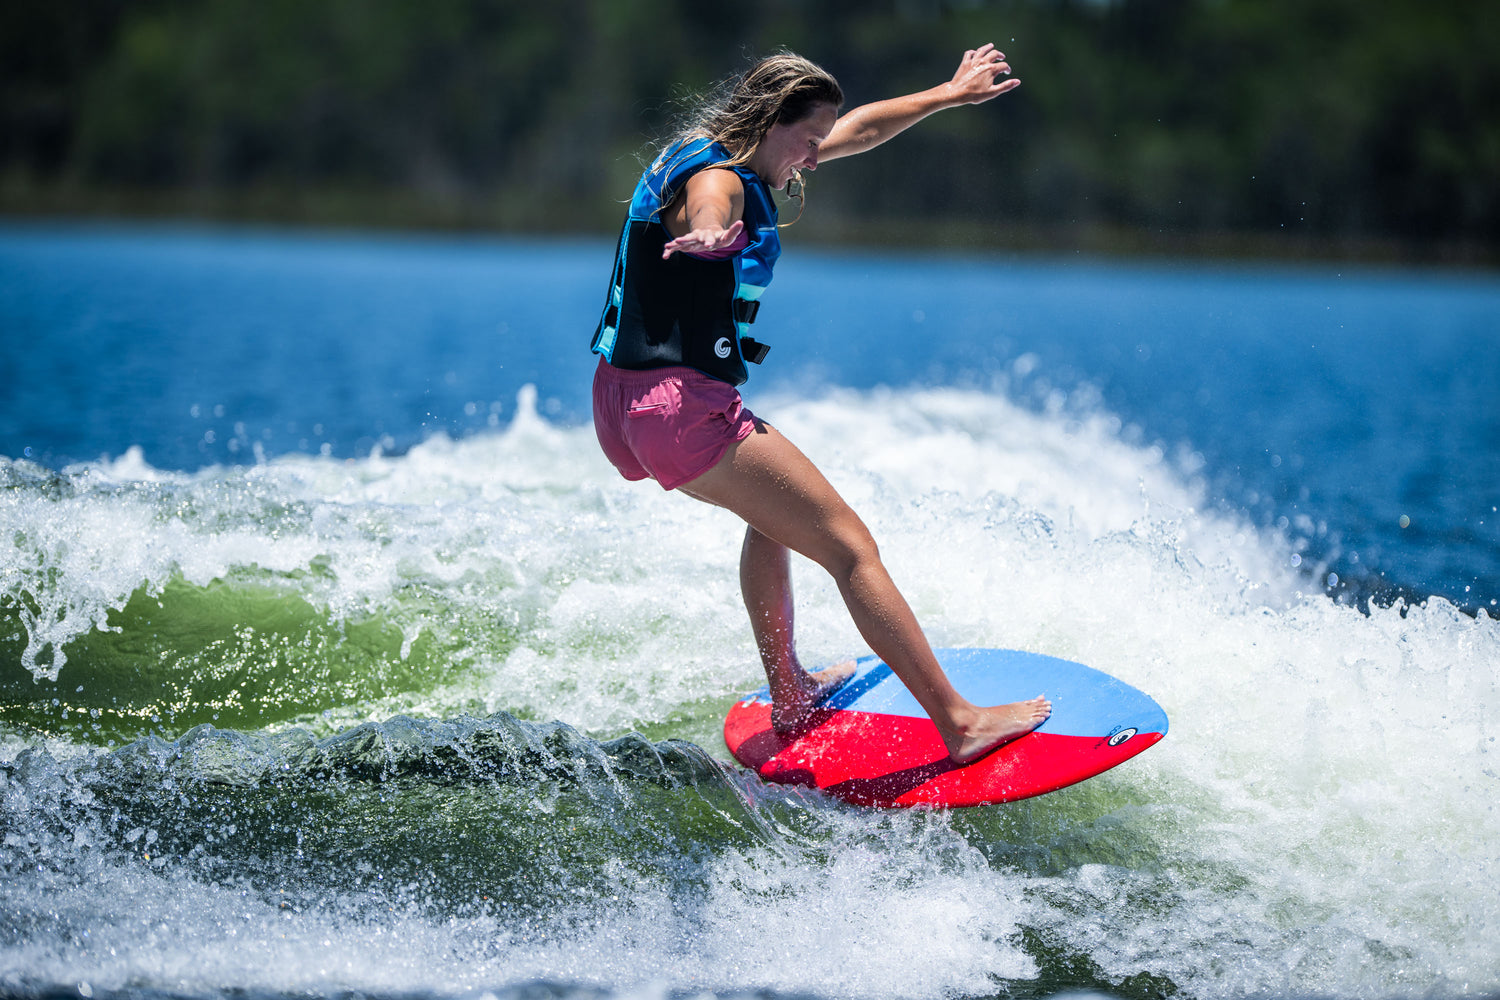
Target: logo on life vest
(721, 347)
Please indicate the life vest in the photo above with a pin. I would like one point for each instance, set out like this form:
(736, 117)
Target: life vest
(685, 310)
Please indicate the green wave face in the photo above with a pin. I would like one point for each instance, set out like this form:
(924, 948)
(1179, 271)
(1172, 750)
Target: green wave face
(241, 654)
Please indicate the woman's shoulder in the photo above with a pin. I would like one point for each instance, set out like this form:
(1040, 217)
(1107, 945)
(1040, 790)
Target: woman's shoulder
(685, 159)
(690, 155)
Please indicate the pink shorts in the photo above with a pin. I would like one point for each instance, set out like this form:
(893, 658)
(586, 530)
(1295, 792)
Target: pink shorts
(671, 424)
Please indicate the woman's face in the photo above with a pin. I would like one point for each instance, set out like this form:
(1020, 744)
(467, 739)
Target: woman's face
(793, 147)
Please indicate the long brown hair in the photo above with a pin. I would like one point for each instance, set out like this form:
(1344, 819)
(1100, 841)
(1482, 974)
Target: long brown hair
(781, 89)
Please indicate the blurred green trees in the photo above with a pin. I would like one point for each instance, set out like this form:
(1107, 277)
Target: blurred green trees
(1175, 123)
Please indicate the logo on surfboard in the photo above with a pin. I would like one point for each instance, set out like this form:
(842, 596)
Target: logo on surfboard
(1120, 737)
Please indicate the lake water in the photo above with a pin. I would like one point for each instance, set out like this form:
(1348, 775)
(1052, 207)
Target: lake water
(334, 657)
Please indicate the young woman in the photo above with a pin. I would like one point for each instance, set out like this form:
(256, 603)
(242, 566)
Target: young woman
(696, 253)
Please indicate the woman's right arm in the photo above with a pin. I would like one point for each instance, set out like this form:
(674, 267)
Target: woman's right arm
(706, 216)
(978, 79)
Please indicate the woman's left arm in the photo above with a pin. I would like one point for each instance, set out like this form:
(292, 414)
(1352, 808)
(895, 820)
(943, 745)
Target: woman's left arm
(978, 80)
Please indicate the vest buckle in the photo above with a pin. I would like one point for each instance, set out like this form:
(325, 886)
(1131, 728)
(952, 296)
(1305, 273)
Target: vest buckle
(745, 310)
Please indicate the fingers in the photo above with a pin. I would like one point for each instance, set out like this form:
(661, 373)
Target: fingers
(993, 63)
(980, 74)
(985, 55)
(983, 62)
(701, 240)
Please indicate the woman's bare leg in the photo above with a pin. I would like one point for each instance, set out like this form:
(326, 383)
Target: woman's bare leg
(782, 496)
(766, 583)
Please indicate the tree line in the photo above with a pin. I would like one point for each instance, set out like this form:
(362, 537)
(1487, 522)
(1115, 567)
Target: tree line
(1330, 125)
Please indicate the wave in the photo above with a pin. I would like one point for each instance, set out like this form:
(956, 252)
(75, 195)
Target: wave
(134, 600)
(451, 806)
(1319, 821)
(447, 855)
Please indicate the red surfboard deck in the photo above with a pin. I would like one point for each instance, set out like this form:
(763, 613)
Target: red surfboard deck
(870, 743)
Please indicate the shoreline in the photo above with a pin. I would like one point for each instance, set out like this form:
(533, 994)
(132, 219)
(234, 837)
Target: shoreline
(399, 211)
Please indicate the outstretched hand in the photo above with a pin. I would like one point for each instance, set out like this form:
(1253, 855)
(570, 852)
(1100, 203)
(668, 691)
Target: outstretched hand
(979, 76)
(704, 240)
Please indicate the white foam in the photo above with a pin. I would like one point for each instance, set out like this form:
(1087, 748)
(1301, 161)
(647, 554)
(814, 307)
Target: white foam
(1320, 819)
(767, 918)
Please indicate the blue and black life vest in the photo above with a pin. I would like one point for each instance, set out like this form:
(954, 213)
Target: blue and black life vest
(684, 310)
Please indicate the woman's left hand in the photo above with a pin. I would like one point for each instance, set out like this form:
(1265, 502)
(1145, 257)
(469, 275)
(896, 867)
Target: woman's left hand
(704, 240)
(979, 76)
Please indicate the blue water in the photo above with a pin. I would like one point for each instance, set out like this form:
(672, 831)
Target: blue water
(335, 660)
(1356, 409)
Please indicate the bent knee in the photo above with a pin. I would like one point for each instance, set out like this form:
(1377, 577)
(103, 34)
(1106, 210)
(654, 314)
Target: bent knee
(850, 546)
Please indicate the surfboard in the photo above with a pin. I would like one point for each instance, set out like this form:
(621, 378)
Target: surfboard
(870, 743)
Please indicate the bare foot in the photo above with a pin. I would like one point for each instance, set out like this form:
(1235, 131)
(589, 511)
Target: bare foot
(996, 727)
(794, 702)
